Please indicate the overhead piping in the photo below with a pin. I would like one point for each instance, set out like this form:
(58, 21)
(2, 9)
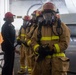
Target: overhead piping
(31, 7)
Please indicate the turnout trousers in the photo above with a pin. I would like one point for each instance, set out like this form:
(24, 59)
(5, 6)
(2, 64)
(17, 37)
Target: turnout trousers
(51, 66)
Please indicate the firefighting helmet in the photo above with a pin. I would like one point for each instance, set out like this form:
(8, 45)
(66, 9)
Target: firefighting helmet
(48, 6)
(9, 15)
(26, 18)
(36, 13)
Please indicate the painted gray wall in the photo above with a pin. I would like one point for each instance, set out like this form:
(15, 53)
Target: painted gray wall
(69, 18)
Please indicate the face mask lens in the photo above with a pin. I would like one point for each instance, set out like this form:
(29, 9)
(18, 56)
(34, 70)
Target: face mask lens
(26, 22)
(40, 19)
(49, 18)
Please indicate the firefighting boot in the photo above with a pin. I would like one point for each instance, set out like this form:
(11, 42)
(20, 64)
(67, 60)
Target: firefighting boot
(22, 70)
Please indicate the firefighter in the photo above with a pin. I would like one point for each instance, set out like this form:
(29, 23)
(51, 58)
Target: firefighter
(34, 24)
(23, 47)
(28, 52)
(49, 41)
(31, 29)
(8, 35)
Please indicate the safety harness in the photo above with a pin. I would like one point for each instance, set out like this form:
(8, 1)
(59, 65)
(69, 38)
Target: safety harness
(59, 31)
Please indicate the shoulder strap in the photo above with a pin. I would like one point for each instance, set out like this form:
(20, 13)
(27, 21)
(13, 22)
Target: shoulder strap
(28, 28)
(35, 26)
(39, 35)
(59, 28)
(20, 31)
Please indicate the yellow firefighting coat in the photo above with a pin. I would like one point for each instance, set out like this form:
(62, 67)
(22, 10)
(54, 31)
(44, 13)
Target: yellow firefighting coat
(57, 43)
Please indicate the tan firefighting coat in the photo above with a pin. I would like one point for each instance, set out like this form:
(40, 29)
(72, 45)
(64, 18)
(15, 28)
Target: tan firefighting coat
(21, 36)
(25, 52)
(57, 43)
(31, 55)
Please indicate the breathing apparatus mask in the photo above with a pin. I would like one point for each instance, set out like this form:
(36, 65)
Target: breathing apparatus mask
(40, 19)
(49, 17)
(25, 23)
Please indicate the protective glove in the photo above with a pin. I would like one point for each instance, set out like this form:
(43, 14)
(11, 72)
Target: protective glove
(22, 42)
(48, 51)
(41, 51)
(45, 51)
(19, 42)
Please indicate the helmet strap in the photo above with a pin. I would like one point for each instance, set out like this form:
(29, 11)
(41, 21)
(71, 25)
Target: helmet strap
(48, 11)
